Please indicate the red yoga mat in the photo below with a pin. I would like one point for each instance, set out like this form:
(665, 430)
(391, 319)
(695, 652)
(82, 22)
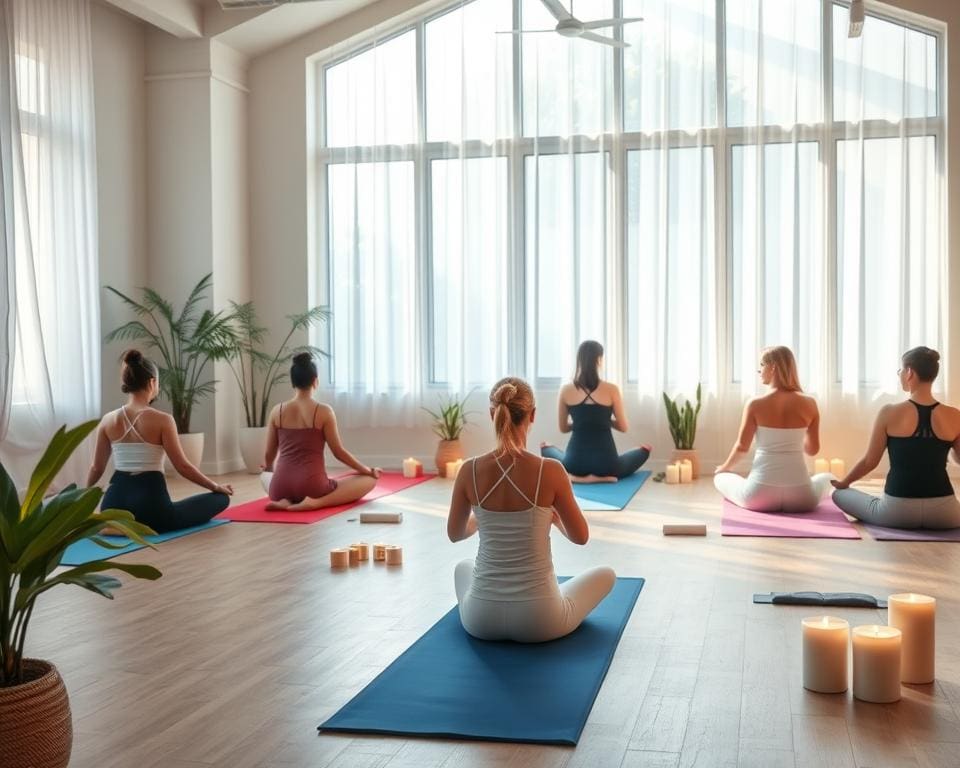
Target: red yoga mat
(827, 521)
(256, 512)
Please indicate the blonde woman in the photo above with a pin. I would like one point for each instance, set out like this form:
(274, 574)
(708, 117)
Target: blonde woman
(512, 498)
(786, 424)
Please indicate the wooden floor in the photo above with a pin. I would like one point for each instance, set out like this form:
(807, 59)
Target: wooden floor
(249, 640)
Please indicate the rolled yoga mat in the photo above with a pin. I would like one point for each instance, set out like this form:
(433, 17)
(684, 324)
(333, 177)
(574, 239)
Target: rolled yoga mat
(87, 551)
(256, 511)
(827, 521)
(595, 497)
(449, 684)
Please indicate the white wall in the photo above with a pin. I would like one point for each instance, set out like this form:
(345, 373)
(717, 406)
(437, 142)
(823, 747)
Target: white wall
(120, 108)
(279, 234)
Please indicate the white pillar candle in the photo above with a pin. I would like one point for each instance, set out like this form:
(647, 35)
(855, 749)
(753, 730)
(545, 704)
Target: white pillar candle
(837, 468)
(686, 471)
(826, 643)
(876, 663)
(453, 467)
(820, 466)
(410, 466)
(673, 473)
(915, 616)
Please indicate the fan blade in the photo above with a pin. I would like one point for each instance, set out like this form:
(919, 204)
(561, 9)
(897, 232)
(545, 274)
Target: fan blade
(605, 40)
(523, 31)
(556, 10)
(608, 23)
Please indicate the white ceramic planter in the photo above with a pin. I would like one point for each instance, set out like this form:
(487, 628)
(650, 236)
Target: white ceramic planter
(192, 444)
(253, 445)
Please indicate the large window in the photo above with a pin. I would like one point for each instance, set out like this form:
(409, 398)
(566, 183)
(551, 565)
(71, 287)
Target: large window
(742, 174)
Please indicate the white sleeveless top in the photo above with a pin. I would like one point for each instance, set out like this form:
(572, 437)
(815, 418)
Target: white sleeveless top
(514, 561)
(136, 455)
(779, 458)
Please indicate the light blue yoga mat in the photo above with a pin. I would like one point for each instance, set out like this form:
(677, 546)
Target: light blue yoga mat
(595, 497)
(87, 551)
(449, 684)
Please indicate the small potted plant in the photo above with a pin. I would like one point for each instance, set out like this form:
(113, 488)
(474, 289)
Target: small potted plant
(185, 344)
(36, 729)
(683, 429)
(258, 372)
(448, 424)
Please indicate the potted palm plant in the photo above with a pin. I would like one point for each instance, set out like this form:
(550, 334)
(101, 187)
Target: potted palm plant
(683, 429)
(258, 372)
(448, 423)
(185, 343)
(35, 723)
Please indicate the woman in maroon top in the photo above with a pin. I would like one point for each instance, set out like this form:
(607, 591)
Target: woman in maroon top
(299, 430)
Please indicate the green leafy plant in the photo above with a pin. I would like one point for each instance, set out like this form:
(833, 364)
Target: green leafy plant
(682, 421)
(186, 343)
(34, 535)
(258, 372)
(450, 420)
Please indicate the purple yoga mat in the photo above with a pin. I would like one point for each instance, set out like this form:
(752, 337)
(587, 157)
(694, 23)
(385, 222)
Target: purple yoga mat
(912, 534)
(825, 522)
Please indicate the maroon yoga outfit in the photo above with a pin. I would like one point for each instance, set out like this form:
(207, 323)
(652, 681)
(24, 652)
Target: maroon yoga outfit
(300, 470)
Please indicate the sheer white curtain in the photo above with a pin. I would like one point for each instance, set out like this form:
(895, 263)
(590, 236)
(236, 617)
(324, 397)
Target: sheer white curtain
(54, 255)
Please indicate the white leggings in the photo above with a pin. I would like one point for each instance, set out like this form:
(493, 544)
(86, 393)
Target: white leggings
(750, 494)
(895, 512)
(531, 621)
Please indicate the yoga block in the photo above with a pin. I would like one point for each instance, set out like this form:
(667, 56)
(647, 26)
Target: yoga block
(381, 517)
(684, 530)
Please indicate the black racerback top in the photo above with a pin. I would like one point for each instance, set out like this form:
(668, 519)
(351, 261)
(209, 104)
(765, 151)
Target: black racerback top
(918, 464)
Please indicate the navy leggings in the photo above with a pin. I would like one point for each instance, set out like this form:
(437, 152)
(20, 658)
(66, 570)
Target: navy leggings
(618, 466)
(145, 495)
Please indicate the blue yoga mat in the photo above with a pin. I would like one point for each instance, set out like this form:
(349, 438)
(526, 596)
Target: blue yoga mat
(449, 684)
(599, 496)
(87, 551)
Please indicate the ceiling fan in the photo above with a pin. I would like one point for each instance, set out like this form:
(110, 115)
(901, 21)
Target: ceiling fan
(570, 26)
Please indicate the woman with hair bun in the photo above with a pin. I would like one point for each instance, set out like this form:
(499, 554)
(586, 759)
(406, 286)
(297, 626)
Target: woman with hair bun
(299, 430)
(139, 436)
(786, 424)
(512, 498)
(918, 435)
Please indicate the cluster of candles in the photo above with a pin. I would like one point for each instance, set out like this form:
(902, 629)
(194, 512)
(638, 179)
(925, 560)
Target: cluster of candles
(883, 656)
(453, 468)
(836, 467)
(349, 557)
(680, 472)
(412, 468)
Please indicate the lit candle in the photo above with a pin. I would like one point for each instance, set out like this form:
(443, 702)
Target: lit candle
(820, 466)
(826, 641)
(915, 616)
(453, 467)
(876, 664)
(673, 473)
(837, 468)
(686, 471)
(412, 467)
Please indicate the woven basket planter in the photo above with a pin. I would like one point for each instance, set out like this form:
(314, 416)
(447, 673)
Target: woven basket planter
(447, 450)
(36, 730)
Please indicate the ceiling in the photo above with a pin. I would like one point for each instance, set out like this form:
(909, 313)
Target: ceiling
(250, 31)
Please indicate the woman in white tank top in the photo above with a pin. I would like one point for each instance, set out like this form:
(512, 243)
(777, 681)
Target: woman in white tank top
(786, 424)
(513, 498)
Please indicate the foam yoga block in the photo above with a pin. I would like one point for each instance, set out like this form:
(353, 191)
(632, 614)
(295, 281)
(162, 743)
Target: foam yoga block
(684, 530)
(381, 517)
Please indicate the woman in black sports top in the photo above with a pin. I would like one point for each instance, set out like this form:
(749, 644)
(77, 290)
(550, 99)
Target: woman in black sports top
(918, 435)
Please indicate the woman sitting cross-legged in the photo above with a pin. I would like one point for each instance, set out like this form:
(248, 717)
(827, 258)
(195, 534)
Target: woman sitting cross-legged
(513, 498)
(590, 408)
(918, 435)
(786, 424)
(298, 432)
(139, 437)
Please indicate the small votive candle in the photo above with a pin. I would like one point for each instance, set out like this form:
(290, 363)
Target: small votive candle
(826, 642)
(673, 473)
(876, 663)
(686, 471)
(915, 616)
(821, 466)
(837, 468)
(394, 555)
(339, 558)
(363, 550)
(379, 552)
(412, 468)
(453, 467)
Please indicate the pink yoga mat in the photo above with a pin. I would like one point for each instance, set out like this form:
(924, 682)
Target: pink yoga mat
(256, 512)
(825, 522)
(912, 534)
